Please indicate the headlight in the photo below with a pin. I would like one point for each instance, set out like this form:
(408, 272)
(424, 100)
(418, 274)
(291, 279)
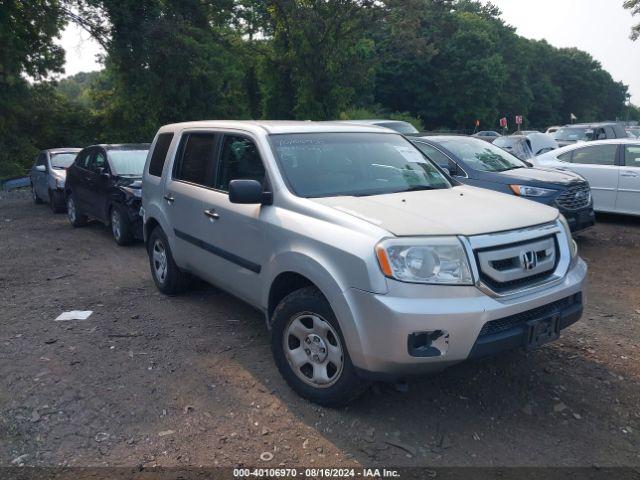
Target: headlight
(136, 192)
(438, 260)
(573, 246)
(527, 191)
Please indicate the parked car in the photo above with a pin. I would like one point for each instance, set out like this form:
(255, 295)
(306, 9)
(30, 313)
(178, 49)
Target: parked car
(395, 125)
(526, 147)
(552, 130)
(584, 132)
(474, 162)
(48, 174)
(104, 183)
(633, 132)
(487, 135)
(367, 261)
(612, 168)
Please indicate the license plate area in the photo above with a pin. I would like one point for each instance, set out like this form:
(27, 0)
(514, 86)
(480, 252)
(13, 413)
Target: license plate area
(541, 331)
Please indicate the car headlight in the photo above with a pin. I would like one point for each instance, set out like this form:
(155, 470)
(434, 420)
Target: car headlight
(436, 260)
(573, 246)
(136, 192)
(528, 191)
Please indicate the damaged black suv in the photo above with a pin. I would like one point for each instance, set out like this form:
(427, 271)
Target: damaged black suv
(104, 183)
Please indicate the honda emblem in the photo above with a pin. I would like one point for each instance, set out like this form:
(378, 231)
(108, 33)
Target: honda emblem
(529, 260)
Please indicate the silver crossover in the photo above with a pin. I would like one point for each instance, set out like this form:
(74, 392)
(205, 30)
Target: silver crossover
(367, 261)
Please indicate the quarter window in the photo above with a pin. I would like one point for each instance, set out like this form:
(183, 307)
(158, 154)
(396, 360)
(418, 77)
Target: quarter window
(565, 157)
(156, 164)
(239, 159)
(596, 155)
(198, 158)
(632, 156)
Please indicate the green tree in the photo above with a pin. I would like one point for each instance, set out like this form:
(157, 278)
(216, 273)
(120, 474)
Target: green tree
(634, 6)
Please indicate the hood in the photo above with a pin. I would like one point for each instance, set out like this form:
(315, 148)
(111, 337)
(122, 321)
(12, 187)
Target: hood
(536, 176)
(461, 210)
(59, 172)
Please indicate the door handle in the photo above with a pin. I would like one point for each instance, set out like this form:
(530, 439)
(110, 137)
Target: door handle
(628, 174)
(169, 198)
(211, 213)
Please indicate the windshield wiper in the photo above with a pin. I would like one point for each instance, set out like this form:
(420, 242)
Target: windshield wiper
(512, 168)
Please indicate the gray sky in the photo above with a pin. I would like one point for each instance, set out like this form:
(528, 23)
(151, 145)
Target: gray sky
(600, 27)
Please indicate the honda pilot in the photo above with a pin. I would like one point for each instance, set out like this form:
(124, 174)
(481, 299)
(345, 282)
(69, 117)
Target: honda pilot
(367, 260)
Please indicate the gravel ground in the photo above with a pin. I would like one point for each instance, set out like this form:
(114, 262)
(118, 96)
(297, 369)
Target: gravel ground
(189, 381)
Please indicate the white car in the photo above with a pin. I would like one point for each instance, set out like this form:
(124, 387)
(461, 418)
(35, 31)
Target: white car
(612, 168)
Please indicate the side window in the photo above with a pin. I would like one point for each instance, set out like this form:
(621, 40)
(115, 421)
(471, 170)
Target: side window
(99, 160)
(439, 158)
(632, 156)
(159, 155)
(596, 155)
(565, 157)
(239, 159)
(197, 155)
(83, 159)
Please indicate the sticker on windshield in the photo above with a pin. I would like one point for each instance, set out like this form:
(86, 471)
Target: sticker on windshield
(410, 154)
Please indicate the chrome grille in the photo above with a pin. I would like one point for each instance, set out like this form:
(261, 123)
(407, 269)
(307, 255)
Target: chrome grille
(575, 197)
(519, 265)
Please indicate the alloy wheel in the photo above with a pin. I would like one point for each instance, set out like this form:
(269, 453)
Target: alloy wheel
(116, 224)
(71, 209)
(159, 261)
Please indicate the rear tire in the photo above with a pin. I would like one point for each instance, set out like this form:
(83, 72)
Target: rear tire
(76, 218)
(56, 202)
(168, 277)
(120, 226)
(36, 199)
(310, 351)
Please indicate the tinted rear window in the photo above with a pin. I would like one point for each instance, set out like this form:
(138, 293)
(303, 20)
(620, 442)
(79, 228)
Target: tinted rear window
(159, 155)
(197, 161)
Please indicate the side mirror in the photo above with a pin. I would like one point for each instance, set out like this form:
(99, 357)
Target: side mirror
(248, 192)
(41, 168)
(104, 175)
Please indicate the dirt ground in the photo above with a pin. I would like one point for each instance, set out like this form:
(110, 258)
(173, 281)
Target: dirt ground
(189, 381)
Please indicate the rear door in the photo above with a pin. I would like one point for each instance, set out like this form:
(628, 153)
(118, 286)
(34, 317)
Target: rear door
(598, 164)
(192, 174)
(628, 200)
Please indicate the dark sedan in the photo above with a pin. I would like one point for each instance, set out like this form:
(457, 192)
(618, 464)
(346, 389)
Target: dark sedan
(481, 164)
(104, 183)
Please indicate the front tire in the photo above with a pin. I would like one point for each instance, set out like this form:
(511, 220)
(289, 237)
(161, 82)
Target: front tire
(76, 218)
(168, 277)
(56, 201)
(310, 351)
(36, 199)
(120, 226)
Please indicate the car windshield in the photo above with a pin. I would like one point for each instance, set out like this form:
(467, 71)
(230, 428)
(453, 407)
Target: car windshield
(515, 146)
(480, 155)
(128, 162)
(354, 164)
(574, 134)
(62, 160)
(401, 127)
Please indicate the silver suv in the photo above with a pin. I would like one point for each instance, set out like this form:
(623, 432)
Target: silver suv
(368, 262)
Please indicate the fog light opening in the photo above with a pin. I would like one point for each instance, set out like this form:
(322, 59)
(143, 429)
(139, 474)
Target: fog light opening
(434, 343)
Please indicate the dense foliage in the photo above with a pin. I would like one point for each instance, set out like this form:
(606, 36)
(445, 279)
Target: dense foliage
(436, 63)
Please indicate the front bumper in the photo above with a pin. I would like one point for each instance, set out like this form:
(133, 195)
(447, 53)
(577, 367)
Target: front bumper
(579, 219)
(385, 324)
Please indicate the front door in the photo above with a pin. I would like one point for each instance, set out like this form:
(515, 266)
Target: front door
(96, 186)
(234, 233)
(628, 200)
(597, 163)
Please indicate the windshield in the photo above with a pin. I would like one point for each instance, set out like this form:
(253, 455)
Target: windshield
(128, 162)
(480, 155)
(517, 147)
(62, 160)
(574, 134)
(401, 127)
(357, 164)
